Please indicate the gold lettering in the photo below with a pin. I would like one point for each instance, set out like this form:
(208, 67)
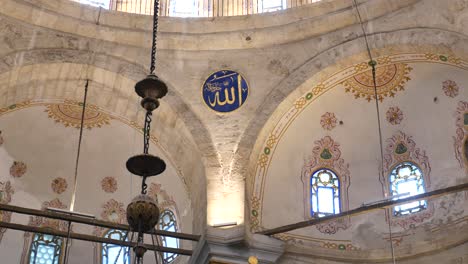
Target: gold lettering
(228, 99)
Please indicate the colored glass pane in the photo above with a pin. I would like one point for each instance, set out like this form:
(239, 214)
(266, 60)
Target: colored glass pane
(167, 222)
(406, 180)
(114, 254)
(45, 249)
(325, 193)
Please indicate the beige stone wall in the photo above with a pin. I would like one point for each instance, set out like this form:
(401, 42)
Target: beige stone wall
(50, 46)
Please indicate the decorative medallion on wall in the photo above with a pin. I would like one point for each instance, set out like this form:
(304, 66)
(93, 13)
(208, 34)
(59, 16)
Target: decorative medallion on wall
(461, 137)
(47, 222)
(328, 121)
(109, 184)
(59, 185)
(390, 79)
(394, 115)
(113, 211)
(225, 91)
(6, 191)
(163, 199)
(450, 88)
(327, 154)
(402, 148)
(69, 114)
(18, 169)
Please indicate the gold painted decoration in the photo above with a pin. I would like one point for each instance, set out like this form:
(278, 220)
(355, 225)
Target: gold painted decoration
(70, 112)
(390, 79)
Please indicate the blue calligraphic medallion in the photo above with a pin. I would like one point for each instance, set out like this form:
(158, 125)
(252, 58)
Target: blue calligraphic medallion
(225, 91)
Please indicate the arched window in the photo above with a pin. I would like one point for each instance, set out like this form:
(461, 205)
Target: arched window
(407, 178)
(45, 249)
(111, 253)
(272, 5)
(167, 222)
(325, 193)
(183, 8)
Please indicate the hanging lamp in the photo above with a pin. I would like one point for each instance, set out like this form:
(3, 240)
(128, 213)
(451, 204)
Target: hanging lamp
(143, 212)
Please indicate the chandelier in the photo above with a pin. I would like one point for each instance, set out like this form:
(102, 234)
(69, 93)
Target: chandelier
(143, 211)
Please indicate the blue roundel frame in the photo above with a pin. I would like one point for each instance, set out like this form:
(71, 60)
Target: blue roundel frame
(225, 91)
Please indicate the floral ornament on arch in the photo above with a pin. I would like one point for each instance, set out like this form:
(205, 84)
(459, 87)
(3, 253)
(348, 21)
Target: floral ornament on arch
(109, 184)
(59, 185)
(113, 211)
(327, 154)
(394, 115)
(450, 88)
(18, 169)
(6, 192)
(55, 224)
(328, 121)
(461, 122)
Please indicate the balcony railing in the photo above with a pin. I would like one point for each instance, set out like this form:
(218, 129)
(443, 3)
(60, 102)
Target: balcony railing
(198, 8)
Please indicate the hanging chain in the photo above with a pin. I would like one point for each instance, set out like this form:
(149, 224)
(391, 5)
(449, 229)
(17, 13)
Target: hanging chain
(155, 31)
(147, 128)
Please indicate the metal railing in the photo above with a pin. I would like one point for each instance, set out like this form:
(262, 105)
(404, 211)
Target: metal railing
(198, 8)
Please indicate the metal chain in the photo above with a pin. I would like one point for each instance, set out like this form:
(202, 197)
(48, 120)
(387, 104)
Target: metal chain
(147, 128)
(144, 186)
(155, 31)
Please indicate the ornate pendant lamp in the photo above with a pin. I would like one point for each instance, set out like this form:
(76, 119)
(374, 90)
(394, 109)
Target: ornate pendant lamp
(143, 212)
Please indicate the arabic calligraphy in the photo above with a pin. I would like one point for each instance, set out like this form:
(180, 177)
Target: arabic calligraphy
(225, 91)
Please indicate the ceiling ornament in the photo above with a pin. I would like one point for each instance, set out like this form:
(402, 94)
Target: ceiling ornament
(113, 211)
(59, 185)
(109, 184)
(390, 79)
(69, 114)
(18, 169)
(450, 88)
(461, 136)
(328, 121)
(394, 115)
(6, 192)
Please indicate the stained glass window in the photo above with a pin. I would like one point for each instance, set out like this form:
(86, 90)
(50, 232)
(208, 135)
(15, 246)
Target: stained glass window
(111, 253)
(183, 8)
(273, 5)
(167, 222)
(45, 249)
(407, 178)
(325, 193)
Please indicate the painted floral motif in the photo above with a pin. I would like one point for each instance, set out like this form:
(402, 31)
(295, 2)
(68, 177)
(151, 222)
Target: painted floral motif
(59, 185)
(18, 169)
(450, 88)
(113, 211)
(328, 121)
(162, 198)
(390, 79)
(70, 112)
(402, 148)
(6, 191)
(47, 222)
(109, 184)
(327, 154)
(461, 122)
(394, 115)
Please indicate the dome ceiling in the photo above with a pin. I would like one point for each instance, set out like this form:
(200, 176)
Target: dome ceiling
(423, 102)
